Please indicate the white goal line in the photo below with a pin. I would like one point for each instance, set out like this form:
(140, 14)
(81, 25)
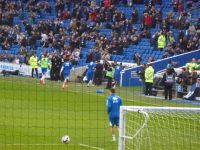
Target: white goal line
(43, 144)
(92, 147)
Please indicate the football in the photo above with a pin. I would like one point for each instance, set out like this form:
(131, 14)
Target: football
(65, 139)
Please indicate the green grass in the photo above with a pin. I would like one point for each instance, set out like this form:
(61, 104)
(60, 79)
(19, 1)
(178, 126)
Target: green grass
(31, 114)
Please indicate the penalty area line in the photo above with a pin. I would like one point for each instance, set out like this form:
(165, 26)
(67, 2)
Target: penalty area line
(92, 147)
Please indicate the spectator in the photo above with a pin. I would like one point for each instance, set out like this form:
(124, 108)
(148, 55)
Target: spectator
(154, 40)
(137, 58)
(150, 59)
(183, 79)
(96, 56)
(193, 77)
(147, 20)
(171, 39)
(191, 30)
(107, 3)
(165, 55)
(189, 3)
(134, 16)
(194, 91)
(106, 56)
(161, 41)
(40, 31)
(191, 65)
(145, 34)
(197, 67)
(170, 51)
(75, 57)
(89, 57)
(180, 7)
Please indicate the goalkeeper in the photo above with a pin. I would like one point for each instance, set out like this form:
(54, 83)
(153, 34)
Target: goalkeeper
(113, 107)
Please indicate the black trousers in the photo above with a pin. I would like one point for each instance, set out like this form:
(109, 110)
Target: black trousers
(148, 88)
(168, 91)
(55, 74)
(36, 70)
(98, 78)
(109, 83)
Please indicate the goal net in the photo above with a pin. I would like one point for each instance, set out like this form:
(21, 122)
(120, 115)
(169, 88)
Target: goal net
(159, 128)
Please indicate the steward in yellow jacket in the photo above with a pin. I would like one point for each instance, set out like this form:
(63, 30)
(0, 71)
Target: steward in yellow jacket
(33, 61)
(161, 41)
(149, 77)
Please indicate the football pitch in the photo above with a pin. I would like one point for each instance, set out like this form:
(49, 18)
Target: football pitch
(35, 117)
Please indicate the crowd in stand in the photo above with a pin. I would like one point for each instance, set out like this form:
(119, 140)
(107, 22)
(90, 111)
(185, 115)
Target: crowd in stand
(179, 81)
(86, 20)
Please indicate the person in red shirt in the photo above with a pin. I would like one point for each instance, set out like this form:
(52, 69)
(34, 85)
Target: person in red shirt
(180, 7)
(107, 3)
(93, 15)
(147, 20)
(65, 15)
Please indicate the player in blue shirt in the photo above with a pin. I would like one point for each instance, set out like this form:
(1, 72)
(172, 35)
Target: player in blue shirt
(113, 107)
(66, 67)
(117, 74)
(90, 73)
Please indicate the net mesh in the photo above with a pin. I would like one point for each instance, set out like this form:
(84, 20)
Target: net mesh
(164, 130)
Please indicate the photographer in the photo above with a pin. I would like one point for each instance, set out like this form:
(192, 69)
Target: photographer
(168, 81)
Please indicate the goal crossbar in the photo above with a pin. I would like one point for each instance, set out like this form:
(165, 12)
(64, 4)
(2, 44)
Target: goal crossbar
(144, 110)
(155, 109)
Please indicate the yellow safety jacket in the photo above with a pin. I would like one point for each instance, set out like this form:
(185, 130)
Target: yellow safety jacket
(149, 74)
(161, 41)
(191, 66)
(44, 63)
(33, 61)
(110, 73)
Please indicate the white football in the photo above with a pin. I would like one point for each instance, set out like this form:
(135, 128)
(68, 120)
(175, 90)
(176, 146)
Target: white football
(65, 139)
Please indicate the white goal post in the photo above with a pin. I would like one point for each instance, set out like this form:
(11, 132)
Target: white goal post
(151, 128)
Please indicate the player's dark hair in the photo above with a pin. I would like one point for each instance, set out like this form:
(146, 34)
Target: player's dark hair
(112, 90)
